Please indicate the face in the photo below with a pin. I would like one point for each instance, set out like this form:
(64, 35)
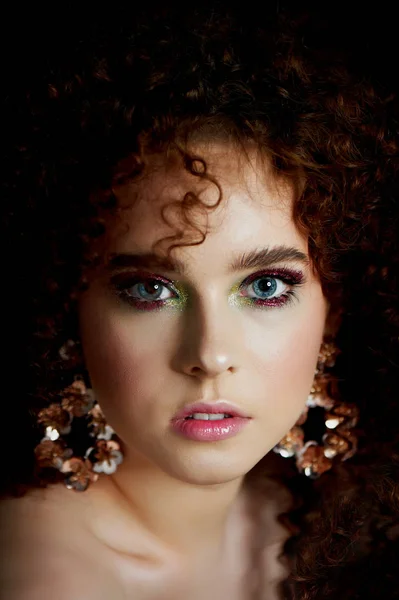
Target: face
(156, 339)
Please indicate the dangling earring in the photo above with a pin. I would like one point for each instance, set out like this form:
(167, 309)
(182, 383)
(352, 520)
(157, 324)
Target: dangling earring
(313, 459)
(77, 403)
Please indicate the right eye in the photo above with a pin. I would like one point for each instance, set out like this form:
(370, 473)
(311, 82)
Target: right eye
(151, 289)
(145, 293)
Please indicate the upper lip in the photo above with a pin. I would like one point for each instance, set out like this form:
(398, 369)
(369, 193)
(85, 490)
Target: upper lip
(219, 406)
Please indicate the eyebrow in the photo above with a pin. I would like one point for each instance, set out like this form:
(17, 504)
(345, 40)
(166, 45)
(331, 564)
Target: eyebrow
(253, 259)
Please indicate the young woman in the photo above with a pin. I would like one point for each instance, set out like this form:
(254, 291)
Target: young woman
(199, 202)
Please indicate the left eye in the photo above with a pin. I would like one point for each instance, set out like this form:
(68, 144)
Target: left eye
(267, 287)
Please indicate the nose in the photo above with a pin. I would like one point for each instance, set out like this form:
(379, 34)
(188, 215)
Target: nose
(209, 340)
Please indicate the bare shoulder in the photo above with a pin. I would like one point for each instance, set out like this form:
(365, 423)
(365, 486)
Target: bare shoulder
(46, 552)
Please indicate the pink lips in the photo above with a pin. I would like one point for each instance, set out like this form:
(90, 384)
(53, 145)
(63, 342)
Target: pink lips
(206, 430)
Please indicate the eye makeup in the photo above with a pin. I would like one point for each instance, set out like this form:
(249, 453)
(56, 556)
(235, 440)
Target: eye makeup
(278, 289)
(289, 279)
(124, 282)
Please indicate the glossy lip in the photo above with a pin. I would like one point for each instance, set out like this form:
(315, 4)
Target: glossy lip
(209, 431)
(219, 406)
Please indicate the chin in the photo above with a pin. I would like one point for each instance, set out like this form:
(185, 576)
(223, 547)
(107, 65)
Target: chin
(209, 472)
(210, 478)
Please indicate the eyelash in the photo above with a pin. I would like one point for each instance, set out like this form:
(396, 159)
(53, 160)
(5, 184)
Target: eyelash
(287, 276)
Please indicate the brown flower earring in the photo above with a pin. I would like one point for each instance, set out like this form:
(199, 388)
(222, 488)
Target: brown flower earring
(313, 459)
(77, 403)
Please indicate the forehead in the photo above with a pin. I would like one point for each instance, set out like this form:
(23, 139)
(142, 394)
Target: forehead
(255, 207)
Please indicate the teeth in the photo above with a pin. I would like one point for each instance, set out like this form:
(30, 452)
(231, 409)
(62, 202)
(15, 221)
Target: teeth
(216, 417)
(208, 416)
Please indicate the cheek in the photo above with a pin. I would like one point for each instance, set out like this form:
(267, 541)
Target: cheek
(291, 370)
(286, 357)
(121, 359)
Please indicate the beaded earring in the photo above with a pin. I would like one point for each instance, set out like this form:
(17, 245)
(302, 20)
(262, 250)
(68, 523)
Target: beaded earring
(311, 458)
(77, 404)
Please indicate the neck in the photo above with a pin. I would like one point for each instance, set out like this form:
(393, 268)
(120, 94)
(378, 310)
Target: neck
(184, 517)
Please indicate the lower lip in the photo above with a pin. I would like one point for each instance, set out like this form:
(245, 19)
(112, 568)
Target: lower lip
(209, 431)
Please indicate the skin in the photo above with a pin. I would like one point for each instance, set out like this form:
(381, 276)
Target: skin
(144, 366)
